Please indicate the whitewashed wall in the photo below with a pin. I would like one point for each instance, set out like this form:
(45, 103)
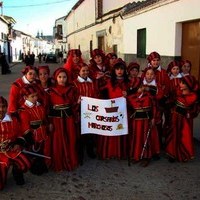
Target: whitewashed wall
(4, 30)
(109, 5)
(163, 26)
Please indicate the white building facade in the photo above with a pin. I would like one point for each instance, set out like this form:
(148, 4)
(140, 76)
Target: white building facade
(133, 29)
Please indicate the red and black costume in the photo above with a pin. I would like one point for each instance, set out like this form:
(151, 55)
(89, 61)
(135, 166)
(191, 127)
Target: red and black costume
(143, 136)
(63, 102)
(88, 88)
(114, 146)
(10, 135)
(33, 119)
(15, 98)
(179, 140)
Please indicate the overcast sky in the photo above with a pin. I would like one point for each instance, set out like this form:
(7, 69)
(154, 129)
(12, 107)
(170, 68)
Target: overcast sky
(32, 16)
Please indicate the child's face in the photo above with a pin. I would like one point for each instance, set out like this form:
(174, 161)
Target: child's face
(155, 62)
(62, 78)
(175, 70)
(186, 68)
(75, 59)
(119, 72)
(98, 59)
(134, 72)
(43, 75)
(84, 72)
(31, 75)
(3, 110)
(32, 98)
(112, 60)
(183, 86)
(149, 76)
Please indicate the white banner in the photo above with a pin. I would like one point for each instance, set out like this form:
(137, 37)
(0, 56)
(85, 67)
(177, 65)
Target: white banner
(104, 117)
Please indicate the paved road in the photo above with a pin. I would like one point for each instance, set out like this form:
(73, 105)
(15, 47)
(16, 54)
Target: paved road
(110, 179)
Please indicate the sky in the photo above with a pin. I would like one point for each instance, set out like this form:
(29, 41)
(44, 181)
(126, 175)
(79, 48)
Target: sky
(36, 15)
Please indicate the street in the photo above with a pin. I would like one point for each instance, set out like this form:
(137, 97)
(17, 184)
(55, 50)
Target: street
(109, 179)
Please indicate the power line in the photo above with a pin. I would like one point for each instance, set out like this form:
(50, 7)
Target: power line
(34, 5)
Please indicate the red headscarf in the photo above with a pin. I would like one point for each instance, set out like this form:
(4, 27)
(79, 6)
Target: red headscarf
(97, 52)
(133, 65)
(28, 89)
(27, 69)
(191, 82)
(152, 56)
(45, 67)
(173, 64)
(58, 71)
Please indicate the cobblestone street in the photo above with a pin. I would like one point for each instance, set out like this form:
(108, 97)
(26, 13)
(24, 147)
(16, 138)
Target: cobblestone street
(110, 179)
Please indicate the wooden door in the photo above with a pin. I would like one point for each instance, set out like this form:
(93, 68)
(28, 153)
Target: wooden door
(191, 45)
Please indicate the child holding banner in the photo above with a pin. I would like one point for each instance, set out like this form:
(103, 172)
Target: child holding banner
(115, 146)
(63, 102)
(88, 88)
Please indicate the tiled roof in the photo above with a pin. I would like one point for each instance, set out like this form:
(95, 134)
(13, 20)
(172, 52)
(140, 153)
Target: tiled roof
(131, 7)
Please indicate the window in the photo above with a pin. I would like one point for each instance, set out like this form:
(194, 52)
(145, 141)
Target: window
(115, 48)
(141, 43)
(99, 8)
(91, 45)
(101, 43)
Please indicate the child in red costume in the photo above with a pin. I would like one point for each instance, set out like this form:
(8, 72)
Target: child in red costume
(88, 88)
(143, 136)
(179, 140)
(162, 78)
(115, 146)
(34, 121)
(99, 70)
(15, 99)
(10, 150)
(63, 107)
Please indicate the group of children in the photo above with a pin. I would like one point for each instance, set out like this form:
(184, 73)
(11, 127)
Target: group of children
(40, 127)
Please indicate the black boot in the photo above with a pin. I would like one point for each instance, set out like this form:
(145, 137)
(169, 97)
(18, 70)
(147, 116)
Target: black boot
(38, 167)
(18, 176)
(90, 146)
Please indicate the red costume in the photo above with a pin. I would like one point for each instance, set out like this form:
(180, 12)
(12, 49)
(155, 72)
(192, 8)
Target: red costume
(63, 100)
(114, 146)
(71, 67)
(34, 122)
(88, 88)
(99, 73)
(143, 137)
(10, 135)
(15, 98)
(179, 140)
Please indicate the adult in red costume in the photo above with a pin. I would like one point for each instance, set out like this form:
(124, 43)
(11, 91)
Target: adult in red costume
(74, 59)
(179, 141)
(115, 146)
(10, 150)
(63, 102)
(15, 99)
